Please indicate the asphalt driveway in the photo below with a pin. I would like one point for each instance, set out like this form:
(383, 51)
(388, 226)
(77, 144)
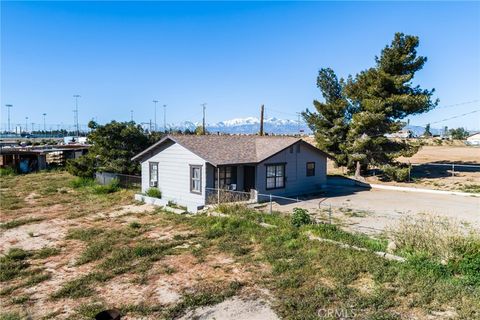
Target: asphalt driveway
(380, 209)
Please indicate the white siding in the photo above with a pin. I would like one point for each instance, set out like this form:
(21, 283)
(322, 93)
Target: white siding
(174, 175)
(297, 181)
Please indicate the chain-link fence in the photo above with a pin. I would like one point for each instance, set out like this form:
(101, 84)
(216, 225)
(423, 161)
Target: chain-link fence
(320, 211)
(124, 180)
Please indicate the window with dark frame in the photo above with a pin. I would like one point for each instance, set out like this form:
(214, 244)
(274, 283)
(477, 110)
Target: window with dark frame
(310, 169)
(275, 176)
(196, 179)
(227, 175)
(153, 173)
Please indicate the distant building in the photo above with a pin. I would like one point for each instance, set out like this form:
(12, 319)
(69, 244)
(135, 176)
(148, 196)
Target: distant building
(74, 140)
(473, 140)
(402, 134)
(31, 159)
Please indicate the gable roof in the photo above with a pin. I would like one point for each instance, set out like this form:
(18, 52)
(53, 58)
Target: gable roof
(226, 149)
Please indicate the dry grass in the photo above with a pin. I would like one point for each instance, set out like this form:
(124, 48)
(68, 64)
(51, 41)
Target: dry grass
(434, 236)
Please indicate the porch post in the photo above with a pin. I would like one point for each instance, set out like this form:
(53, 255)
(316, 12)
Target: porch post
(218, 185)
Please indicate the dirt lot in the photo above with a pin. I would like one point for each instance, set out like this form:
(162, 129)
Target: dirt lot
(466, 179)
(67, 231)
(70, 250)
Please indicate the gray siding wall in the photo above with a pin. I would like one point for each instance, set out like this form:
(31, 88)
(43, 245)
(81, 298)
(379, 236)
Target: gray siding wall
(174, 175)
(297, 181)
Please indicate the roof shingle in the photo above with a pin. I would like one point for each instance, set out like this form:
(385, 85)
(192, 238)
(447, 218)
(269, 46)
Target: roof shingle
(226, 149)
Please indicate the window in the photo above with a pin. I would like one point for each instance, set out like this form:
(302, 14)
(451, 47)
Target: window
(196, 179)
(226, 176)
(153, 168)
(275, 176)
(291, 149)
(310, 169)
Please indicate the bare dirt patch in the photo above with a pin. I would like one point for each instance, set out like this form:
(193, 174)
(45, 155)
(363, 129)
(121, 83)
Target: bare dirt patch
(234, 308)
(126, 210)
(34, 236)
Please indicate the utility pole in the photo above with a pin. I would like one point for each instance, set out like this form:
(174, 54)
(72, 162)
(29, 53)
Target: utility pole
(203, 121)
(75, 112)
(26, 124)
(262, 110)
(165, 118)
(44, 126)
(298, 122)
(131, 115)
(8, 109)
(155, 115)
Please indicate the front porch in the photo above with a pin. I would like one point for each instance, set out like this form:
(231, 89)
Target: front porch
(230, 183)
(231, 177)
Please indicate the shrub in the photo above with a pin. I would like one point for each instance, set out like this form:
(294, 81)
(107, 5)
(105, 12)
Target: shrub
(7, 172)
(398, 174)
(135, 225)
(111, 187)
(81, 167)
(82, 182)
(300, 217)
(154, 193)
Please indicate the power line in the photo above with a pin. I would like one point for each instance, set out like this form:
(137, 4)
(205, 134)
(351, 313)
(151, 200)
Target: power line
(456, 116)
(458, 104)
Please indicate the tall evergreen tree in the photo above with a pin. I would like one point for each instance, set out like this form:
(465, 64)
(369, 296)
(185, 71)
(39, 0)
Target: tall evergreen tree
(330, 119)
(377, 100)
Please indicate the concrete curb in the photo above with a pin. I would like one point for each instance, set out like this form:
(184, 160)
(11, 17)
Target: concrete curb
(420, 190)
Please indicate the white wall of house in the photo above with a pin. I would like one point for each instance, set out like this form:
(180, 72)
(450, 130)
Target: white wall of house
(297, 181)
(174, 175)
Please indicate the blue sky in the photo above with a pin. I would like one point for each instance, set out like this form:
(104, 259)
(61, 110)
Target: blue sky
(234, 56)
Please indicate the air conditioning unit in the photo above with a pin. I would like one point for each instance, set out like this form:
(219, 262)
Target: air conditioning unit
(153, 183)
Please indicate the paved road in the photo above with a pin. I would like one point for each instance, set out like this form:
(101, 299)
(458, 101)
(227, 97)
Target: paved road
(386, 207)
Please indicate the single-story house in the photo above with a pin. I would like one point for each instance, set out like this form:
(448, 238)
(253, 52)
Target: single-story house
(473, 140)
(186, 167)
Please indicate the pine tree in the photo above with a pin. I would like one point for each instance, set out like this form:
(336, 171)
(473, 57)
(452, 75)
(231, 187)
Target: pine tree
(427, 132)
(330, 121)
(373, 104)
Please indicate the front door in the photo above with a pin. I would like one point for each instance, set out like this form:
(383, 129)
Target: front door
(249, 178)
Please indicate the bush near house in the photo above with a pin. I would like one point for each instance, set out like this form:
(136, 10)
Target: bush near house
(154, 193)
(300, 217)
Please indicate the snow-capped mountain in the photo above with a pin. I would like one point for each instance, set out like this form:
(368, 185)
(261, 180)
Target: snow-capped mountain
(271, 125)
(248, 125)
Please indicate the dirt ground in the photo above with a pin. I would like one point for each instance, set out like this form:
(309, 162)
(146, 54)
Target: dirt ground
(433, 176)
(46, 221)
(69, 252)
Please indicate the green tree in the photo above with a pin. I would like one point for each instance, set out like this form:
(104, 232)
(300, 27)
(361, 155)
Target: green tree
(378, 99)
(330, 120)
(427, 132)
(113, 146)
(459, 133)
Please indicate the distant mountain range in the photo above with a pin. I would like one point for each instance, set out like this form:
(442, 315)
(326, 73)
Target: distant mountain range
(251, 125)
(248, 125)
(419, 130)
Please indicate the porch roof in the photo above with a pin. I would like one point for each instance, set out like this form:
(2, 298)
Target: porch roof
(229, 149)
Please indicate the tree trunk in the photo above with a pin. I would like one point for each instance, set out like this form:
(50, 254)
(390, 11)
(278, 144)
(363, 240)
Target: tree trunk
(357, 170)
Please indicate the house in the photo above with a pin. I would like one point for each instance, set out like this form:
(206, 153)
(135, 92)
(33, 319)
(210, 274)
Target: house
(473, 140)
(402, 134)
(186, 167)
